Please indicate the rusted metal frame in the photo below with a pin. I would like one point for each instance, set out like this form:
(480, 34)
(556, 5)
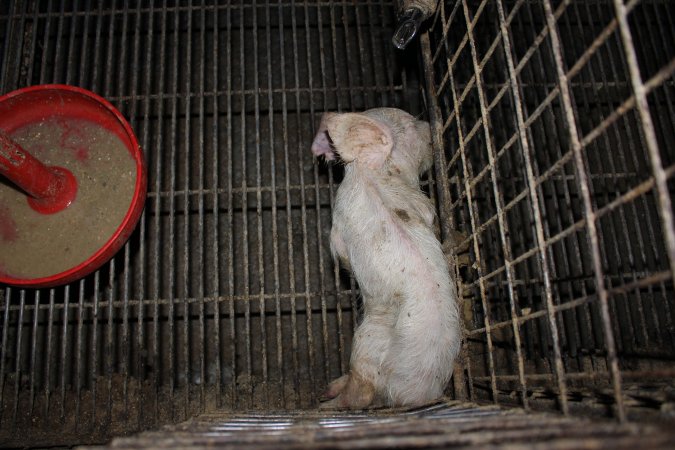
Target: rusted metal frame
(629, 196)
(140, 290)
(443, 188)
(124, 344)
(543, 261)
(447, 224)
(472, 214)
(468, 382)
(539, 225)
(187, 7)
(78, 353)
(590, 51)
(665, 211)
(158, 139)
(58, 47)
(628, 104)
(588, 155)
(344, 358)
(187, 156)
(662, 29)
(535, 45)
(303, 209)
(45, 52)
(588, 209)
(360, 50)
(9, 44)
(123, 97)
(275, 226)
(110, 289)
(32, 43)
(33, 353)
(659, 78)
(63, 356)
(191, 300)
(172, 213)
(94, 343)
(317, 193)
(248, 357)
(4, 357)
(215, 179)
(262, 350)
(445, 22)
(652, 241)
(385, 9)
(613, 169)
(541, 332)
(48, 357)
(234, 394)
(36, 295)
(17, 358)
(572, 333)
(201, 233)
(595, 375)
(642, 282)
(71, 52)
(658, 277)
(503, 226)
(238, 190)
(289, 222)
(444, 33)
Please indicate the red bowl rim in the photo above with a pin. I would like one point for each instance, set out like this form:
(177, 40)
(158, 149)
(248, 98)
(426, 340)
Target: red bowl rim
(123, 232)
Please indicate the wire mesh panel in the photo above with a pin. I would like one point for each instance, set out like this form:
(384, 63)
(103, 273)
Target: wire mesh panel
(226, 295)
(557, 124)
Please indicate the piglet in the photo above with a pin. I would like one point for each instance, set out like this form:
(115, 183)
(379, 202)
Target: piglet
(404, 348)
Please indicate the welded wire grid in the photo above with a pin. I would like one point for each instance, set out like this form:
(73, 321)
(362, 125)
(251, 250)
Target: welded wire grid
(226, 295)
(557, 123)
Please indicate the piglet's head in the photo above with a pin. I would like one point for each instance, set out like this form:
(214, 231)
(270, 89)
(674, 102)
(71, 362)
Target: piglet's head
(379, 139)
(354, 137)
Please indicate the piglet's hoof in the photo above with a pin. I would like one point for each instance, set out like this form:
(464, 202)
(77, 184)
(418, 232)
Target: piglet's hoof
(349, 392)
(334, 388)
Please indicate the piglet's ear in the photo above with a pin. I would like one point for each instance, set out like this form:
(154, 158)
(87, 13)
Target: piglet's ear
(358, 137)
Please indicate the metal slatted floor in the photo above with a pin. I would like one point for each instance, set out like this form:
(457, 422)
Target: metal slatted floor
(438, 426)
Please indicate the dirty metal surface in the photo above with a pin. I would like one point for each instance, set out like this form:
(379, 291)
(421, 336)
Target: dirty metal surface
(453, 425)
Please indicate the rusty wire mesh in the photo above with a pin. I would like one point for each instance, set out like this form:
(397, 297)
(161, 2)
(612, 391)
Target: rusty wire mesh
(553, 128)
(556, 122)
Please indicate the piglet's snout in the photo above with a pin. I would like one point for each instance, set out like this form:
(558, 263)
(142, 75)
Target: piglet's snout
(321, 144)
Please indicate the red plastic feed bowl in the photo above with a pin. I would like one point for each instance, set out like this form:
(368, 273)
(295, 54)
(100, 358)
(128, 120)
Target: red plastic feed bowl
(34, 104)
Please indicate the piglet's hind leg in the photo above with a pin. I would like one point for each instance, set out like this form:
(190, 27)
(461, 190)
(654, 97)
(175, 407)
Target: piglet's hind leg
(372, 340)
